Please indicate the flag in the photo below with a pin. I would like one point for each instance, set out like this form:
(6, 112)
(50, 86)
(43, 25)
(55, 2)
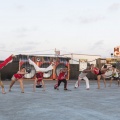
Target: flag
(6, 61)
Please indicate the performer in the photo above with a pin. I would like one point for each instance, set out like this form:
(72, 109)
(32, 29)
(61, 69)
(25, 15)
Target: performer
(115, 75)
(41, 69)
(100, 73)
(38, 80)
(4, 63)
(39, 73)
(38, 84)
(2, 86)
(81, 76)
(18, 77)
(62, 78)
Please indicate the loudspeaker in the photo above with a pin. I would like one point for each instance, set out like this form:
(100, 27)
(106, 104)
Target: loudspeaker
(38, 60)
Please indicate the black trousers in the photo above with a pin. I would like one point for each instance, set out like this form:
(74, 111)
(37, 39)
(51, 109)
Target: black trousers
(64, 81)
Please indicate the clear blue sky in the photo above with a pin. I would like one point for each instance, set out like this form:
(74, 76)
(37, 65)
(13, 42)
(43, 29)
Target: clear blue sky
(71, 26)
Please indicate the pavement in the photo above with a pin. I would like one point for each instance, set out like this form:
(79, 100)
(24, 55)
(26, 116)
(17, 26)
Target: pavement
(77, 104)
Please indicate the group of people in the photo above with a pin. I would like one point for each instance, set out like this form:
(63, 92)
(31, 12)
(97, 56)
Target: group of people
(61, 77)
(20, 74)
(100, 73)
(38, 78)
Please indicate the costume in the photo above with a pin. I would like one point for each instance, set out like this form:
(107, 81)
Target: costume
(82, 76)
(17, 76)
(39, 76)
(61, 78)
(115, 74)
(98, 71)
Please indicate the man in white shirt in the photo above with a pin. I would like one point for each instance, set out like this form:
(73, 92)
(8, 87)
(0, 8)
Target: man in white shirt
(82, 76)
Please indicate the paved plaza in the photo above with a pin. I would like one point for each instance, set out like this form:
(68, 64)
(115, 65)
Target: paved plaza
(77, 104)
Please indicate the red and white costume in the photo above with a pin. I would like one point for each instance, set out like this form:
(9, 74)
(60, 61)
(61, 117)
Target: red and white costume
(6, 61)
(17, 76)
(39, 76)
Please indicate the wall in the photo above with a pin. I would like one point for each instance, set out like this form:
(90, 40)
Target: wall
(75, 58)
(9, 70)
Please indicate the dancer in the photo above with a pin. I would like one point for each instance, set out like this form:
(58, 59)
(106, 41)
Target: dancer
(38, 80)
(39, 73)
(62, 78)
(4, 63)
(100, 73)
(41, 69)
(115, 75)
(2, 87)
(82, 76)
(18, 77)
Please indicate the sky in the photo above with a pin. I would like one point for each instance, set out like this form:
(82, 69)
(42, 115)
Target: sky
(71, 26)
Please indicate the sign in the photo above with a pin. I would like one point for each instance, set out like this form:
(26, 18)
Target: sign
(117, 51)
(82, 64)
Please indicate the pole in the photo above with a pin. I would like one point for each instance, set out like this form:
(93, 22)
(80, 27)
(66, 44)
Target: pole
(0, 76)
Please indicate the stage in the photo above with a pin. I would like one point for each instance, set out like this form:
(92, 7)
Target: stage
(77, 104)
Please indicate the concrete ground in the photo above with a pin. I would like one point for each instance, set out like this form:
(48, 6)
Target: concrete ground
(78, 104)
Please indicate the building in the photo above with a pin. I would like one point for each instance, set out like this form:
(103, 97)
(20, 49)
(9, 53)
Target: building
(75, 58)
(76, 65)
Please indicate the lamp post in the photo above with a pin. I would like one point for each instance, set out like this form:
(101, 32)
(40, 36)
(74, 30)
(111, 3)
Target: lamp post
(111, 55)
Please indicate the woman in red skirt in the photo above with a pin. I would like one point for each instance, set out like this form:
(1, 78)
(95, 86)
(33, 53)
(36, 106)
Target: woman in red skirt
(18, 77)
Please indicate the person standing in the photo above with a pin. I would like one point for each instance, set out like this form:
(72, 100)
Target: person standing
(82, 76)
(18, 77)
(100, 73)
(115, 75)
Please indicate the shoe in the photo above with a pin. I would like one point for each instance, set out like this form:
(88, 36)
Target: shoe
(65, 89)
(57, 88)
(3, 92)
(38, 86)
(9, 90)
